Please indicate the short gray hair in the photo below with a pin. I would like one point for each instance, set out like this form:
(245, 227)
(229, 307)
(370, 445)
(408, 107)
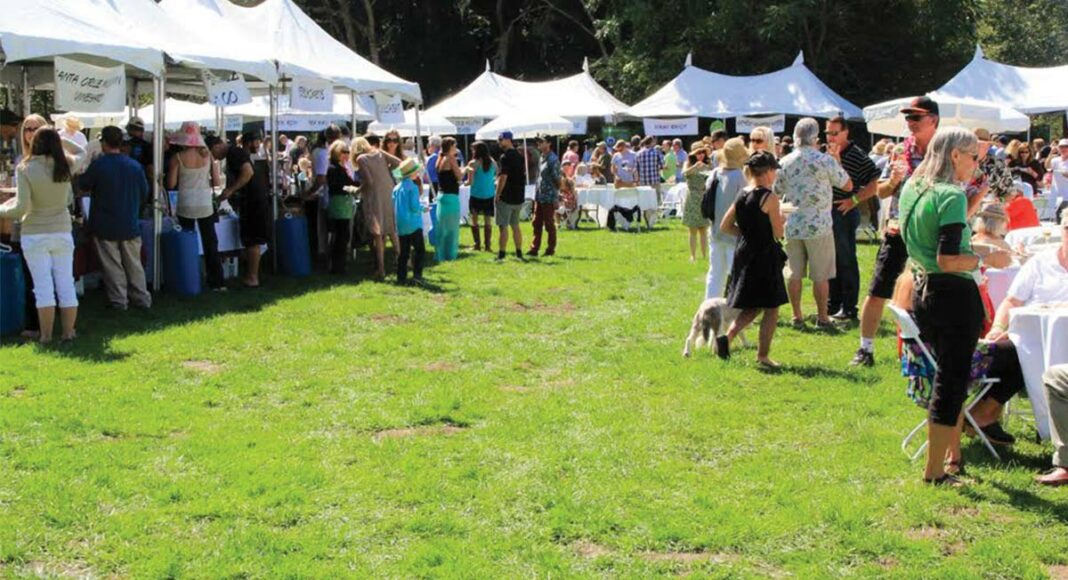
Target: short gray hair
(434, 141)
(995, 226)
(806, 132)
(937, 166)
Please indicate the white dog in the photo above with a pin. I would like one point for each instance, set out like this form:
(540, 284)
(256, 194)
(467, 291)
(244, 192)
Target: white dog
(712, 320)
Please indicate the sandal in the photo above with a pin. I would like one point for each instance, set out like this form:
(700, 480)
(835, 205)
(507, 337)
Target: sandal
(955, 468)
(947, 480)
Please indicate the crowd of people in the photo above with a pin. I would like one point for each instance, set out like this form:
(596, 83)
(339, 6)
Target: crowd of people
(765, 211)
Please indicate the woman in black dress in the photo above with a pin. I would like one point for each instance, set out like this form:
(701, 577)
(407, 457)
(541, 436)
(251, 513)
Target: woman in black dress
(756, 284)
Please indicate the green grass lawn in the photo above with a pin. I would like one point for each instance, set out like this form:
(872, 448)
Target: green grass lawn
(515, 421)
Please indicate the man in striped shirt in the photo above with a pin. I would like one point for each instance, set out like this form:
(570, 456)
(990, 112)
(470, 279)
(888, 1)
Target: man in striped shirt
(845, 286)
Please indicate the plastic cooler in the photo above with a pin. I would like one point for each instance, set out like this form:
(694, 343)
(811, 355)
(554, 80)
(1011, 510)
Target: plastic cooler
(12, 293)
(294, 257)
(181, 261)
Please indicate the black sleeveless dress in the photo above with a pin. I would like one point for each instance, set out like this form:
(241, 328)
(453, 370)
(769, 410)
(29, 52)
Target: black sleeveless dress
(756, 275)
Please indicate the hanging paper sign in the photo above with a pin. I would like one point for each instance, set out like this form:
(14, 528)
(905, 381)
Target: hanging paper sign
(302, 122)
(670, 127)
(717, 125)
(467, 126)
(88, 88)
(777, 123)
(312, 95)
(578, 125)
(389, 109)
(226, 93)
(233, 123)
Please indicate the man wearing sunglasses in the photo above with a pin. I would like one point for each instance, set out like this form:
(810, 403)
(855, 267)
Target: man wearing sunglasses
(921, 117)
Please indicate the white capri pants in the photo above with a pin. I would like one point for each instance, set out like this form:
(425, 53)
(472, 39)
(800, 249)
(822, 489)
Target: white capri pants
(50, 258)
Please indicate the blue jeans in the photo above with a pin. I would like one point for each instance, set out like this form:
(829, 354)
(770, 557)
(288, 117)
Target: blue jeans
(845, 286)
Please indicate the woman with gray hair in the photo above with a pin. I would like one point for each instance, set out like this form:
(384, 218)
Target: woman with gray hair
(990, 225)
(946, 301)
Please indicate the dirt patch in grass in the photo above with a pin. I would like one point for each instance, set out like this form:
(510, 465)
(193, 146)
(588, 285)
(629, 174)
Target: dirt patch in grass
(591, 550)
(440, 366)
(1058, 572)
(538, 306)
(386, 318)
(515, 389)
(422, 431)
(887, 562)
(690, 557)
(202, 366)
(926, 533)
(60, 570)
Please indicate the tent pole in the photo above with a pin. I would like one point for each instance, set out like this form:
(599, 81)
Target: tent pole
(352, 95)
(27, 93)
(273, 95)
(159, 92)
(526, 162)
(220, 123)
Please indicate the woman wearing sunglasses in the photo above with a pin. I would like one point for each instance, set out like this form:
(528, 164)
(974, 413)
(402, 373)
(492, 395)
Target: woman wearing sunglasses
(1023, 164)
(761, 139)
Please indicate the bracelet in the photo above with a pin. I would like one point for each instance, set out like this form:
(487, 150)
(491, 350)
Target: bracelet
(855, 200)
(997, 326)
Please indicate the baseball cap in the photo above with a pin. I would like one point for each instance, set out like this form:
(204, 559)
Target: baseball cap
(921, 105)
(505, 135)
(1062, 143)
(762, 160)
(9, 117)
(136, 123)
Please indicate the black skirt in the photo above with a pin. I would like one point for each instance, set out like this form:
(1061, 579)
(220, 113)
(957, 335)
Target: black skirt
(478, 206)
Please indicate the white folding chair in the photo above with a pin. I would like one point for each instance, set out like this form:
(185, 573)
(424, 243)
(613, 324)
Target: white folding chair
(910, 333)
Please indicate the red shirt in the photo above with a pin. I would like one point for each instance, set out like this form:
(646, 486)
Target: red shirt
(1021, 213)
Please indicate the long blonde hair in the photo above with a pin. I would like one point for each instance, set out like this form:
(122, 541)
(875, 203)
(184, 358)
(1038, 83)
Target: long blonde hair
(767, 135)
(25, 141)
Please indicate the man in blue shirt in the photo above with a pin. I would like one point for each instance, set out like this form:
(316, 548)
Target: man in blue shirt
(433, 148)
(118, 188)
(546, 197)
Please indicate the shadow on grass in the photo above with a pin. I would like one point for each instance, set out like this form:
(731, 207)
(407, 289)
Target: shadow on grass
(1024, 500)
(814, 371)
(98, 326)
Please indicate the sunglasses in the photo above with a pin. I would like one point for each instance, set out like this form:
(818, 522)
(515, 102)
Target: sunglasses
(915, 117)
(346, 151)
(29, 129)
(756, 140)
(833, 133)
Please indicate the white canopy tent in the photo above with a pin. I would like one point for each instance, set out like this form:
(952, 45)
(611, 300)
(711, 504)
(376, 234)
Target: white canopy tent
(794, 90)
(1029, 90)
(492, 95)
(431, 124)
(342, 109)
(525, 125)
(886, 118)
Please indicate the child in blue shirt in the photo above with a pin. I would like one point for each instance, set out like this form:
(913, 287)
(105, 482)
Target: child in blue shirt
(409, 217)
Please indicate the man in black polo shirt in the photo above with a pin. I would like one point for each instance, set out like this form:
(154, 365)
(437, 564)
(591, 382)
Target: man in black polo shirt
(139, 149)
(511, 195)
(845, 286)
(242, 177)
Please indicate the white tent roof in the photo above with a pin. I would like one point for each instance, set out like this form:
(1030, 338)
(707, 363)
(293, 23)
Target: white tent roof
(428, 125)
(1030, 90)
(36, 29)
(260, 107)
(525, 125)
(491, 95)
(886, 118)
(794, 90)
(280, 30)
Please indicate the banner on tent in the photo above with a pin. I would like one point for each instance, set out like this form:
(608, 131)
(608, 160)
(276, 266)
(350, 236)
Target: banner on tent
(226, 93)
(777, 123)
(578, 125)
(670, 127)
(303, 122)
(233, 123)
(468, 126)
(389, 109)
(88, 88)
(313, 95)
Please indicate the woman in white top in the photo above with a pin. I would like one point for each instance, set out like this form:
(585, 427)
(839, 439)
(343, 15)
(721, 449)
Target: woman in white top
(193, 171)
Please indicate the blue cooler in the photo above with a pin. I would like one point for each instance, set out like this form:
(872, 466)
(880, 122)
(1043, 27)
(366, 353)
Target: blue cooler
(181, 261)
(294, 257)
(12, 293)
(148, 242)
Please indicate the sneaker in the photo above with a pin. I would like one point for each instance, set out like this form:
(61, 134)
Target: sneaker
(863, 358)
(997, 434)
(844, 316)
(548, 253)
(532, 253)
(826, 325)
(723, 347)
(500, 257)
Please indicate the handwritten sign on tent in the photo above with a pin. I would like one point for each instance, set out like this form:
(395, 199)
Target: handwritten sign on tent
(670, 127)
(87, 88)
(777, 123)
(578, 125)
(303, 123)
(226, 93)
(468, 126)
(312, 95)
(389, 109)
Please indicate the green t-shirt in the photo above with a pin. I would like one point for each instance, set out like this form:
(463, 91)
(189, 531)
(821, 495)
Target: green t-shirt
(924, 210)
(670, 163)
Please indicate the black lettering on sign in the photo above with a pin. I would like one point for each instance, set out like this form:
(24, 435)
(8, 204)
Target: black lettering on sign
(312, 94)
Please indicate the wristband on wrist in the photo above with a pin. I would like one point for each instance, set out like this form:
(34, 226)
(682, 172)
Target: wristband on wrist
(855, 200)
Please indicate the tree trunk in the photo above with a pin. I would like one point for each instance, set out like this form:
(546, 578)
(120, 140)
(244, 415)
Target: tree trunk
(371, 30)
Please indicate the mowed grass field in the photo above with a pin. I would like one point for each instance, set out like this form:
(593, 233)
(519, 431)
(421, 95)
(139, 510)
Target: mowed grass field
(512, 421)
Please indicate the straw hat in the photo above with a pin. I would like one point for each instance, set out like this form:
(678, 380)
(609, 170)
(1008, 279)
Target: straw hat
(188, 135)
(734, 154)
(408, 167)
(698, 146)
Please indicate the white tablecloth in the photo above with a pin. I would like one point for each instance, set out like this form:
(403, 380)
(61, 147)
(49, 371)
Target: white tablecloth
(1029, 236)
(607, 197)
(1041, 338)
(998, 282)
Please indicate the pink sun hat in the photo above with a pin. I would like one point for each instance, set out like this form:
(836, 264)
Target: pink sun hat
(188, 135)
